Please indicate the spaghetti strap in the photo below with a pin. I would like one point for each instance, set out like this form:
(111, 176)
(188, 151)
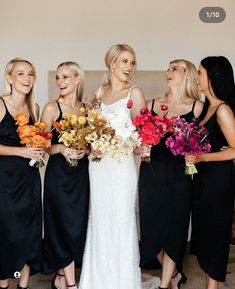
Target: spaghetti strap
(98, 93)
(4, 103)
(219, 106)
(59, 107)
(193, 106)
(129, 92)
(153, 101)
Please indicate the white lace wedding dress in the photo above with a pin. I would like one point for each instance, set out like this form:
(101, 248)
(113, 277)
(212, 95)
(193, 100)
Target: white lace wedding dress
(111, 257)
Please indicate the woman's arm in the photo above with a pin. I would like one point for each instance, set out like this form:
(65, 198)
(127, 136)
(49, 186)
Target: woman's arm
(138, 101)
(226, 121)
(49, 115)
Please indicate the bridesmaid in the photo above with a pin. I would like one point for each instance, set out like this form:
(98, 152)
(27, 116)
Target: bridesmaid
(66, 188)
(165, 191)
(20, 189)
(214, 184)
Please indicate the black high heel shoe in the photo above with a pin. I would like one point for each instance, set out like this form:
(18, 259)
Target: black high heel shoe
(4, 287)
(183, 278)
(53, 280)
(18, 287)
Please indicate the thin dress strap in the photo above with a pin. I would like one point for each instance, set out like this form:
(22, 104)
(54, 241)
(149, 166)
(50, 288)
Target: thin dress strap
(193, 106)
(129, 92)
(219, 106)
(153, 101)
(98, 93)
(59, 108)
(4, 103)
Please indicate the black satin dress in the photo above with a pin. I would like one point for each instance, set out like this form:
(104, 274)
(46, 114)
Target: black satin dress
(214, 187)
(20, 207)
(165, 200)
(66, 201)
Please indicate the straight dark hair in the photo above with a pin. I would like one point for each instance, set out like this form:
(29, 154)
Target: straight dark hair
(220, 76)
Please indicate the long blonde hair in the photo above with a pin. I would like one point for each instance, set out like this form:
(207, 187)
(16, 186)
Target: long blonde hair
(30, 97)
(77, 70)
(112, 55)
(190, 88)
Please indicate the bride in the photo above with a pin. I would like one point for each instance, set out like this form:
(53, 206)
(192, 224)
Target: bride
(111, 258)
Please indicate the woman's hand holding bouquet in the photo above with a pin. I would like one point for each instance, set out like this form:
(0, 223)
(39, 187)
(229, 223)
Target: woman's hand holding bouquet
(35, 139)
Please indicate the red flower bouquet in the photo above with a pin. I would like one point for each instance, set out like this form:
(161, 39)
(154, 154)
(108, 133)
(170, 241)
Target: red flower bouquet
(188, 138)
(152, 128)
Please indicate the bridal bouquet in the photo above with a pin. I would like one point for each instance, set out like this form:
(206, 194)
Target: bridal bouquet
(112, 133)
(100, 133)
(188, 138)
(33, 136)
(72, 131)
(126, 139)
(151, 128)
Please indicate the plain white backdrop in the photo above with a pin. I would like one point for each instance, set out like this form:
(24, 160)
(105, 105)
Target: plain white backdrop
(48, 32)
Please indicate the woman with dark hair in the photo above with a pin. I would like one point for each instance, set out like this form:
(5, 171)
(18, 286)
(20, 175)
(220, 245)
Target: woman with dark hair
(20, 188)
(66, 188)
(214, 184)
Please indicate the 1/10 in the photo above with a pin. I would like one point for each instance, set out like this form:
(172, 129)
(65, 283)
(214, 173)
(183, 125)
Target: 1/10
(212, 14)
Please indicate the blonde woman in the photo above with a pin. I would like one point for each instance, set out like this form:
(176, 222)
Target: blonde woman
(111, 258)
(20, 190)
(165, 190)
(66, 188)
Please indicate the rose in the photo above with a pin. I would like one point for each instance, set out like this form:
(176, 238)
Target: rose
(26, 132)
(163, 107)
(138, 120)
(144, 111)
(129, 104)
(39, 141)
(21, 119)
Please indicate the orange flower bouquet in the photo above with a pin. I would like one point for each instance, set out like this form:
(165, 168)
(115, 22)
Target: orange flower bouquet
(33, 136)
(72, 131)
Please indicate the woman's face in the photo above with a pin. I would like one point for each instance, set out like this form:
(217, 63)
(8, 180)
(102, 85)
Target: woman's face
(124, 66)
(202, 79)
(175, 74)
(21, 78)
(66, 81)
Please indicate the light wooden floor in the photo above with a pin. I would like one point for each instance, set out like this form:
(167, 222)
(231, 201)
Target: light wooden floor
(191, 269)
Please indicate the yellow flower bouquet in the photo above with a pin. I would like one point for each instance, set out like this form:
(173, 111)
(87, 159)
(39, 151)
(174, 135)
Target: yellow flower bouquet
(72, 130)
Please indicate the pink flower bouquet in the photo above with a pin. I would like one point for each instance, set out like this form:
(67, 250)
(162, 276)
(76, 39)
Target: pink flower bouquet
(188, 139)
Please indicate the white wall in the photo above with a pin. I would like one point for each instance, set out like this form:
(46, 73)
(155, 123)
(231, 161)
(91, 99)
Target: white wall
(48, 32)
